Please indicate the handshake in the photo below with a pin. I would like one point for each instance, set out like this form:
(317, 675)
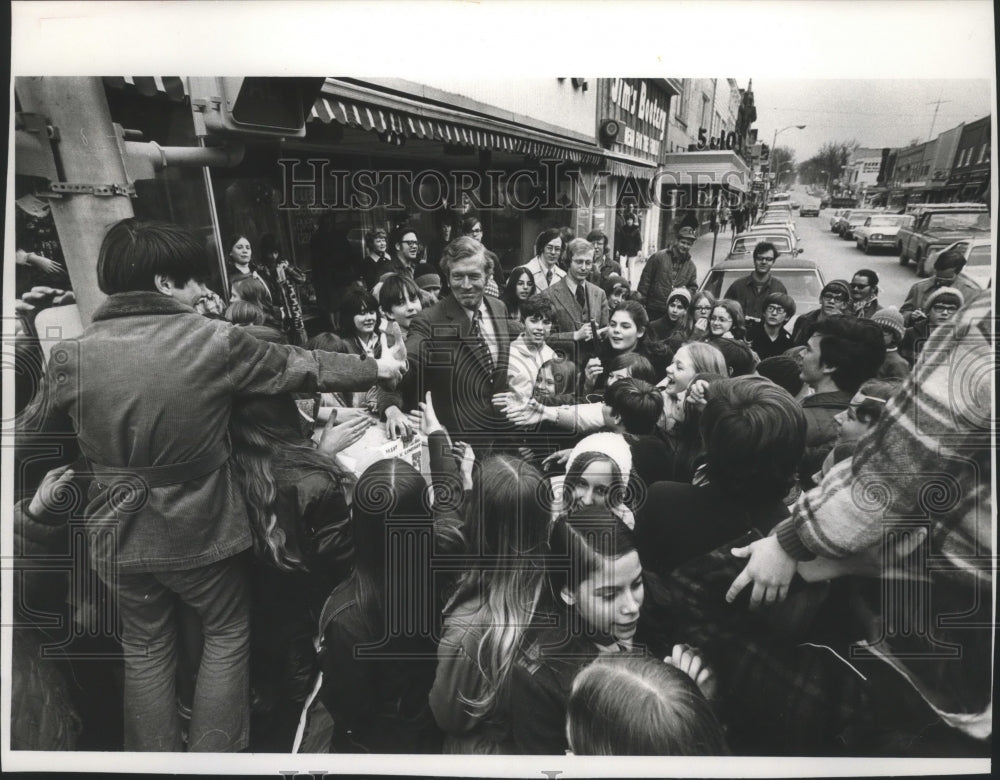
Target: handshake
(393, 366)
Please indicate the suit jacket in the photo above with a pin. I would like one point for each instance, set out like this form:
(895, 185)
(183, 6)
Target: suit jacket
(569, 316)
(447, 360)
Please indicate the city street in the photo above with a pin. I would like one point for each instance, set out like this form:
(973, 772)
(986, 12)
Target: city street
(836, 258)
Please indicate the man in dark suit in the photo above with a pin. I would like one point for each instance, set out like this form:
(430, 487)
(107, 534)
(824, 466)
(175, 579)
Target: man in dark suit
(577, 303)
(459, 350)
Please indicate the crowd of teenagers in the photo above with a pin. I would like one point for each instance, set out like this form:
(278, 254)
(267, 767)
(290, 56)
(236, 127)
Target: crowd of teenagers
(645, 522)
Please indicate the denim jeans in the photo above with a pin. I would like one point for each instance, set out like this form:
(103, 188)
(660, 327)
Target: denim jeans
(220, 717)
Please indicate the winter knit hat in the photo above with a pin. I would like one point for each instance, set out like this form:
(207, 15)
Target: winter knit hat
(837, 286)
(680, 292)
(951, 292)
(891, 319)
(424, 281)
(611, 444)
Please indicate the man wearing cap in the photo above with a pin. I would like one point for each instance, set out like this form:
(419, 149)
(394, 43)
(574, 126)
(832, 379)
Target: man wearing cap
(576, 302)
(940, 305)
(864, 294)
(891, 322)
(834, 299)
(429, 281)
(947, 273)
(666, 270)
(751, 290)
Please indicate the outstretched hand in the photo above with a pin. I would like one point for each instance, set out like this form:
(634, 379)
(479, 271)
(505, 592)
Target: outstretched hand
(425, 417)
(688, 659)
(337, 438)
(770, 570)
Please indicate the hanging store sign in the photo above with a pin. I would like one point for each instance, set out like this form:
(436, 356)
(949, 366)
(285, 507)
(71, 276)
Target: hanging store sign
(633, 117)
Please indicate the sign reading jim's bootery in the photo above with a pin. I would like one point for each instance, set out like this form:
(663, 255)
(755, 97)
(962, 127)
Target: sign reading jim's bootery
(632, 117)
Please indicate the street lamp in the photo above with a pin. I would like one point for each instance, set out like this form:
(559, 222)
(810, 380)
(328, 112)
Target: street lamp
(774, 141)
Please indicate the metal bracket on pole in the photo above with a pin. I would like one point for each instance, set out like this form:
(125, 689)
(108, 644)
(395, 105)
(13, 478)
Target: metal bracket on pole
(60, 188)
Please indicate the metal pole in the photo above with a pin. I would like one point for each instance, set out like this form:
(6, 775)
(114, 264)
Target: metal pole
(88, 151)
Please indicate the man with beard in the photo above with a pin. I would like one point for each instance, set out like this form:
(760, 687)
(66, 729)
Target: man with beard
(407, 248)
(864, 294)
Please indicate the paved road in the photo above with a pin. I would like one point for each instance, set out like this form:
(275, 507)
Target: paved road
(836, 258)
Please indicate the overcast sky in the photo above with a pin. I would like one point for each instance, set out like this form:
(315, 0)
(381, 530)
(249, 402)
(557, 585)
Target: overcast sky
(876, 113)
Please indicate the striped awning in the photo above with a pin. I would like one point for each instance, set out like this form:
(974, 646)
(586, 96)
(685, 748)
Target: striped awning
(173, 87)
(625, 169)
(394, 125)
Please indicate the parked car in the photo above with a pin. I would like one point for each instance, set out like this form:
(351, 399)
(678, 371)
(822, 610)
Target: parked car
(796, 205)
(934, 228)
(837, 222)
(743, 243)
(978, 259)
(854, 220)
(782, 229)
(879, 231)
(802, 278)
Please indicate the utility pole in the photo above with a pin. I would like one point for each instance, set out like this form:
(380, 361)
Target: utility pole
(937, 104)
(94, 191)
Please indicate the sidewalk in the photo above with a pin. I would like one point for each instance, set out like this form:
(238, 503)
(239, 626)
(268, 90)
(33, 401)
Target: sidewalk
(701, 253)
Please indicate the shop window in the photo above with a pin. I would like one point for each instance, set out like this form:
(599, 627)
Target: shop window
(682, 104)
(984, 153)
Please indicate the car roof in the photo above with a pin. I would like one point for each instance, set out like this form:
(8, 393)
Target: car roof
(949, 207)
(785, 261)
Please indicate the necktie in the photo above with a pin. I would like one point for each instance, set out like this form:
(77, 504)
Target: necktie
(581, 298)
(477, 332)
(548, 277)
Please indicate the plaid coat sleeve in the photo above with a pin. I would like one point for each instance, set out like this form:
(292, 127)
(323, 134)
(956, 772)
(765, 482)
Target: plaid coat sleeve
(927, 459)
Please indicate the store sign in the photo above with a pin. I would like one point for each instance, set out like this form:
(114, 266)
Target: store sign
(729, 141)
(641, 109)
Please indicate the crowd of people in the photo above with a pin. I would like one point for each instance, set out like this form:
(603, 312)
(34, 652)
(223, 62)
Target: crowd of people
(648, 522)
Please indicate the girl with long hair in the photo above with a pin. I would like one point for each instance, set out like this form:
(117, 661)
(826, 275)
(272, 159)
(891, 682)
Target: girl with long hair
(699, 312)
(520, 287)
(296, 505)
(594, 597)
(252, 289)
(377, 653)
(506, 519)
(727, 321)
(628, 331)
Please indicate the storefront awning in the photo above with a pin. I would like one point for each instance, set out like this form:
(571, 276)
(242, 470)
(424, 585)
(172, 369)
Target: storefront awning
(396, 118)
(173, 87)
(622, 166)
(711, 168)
